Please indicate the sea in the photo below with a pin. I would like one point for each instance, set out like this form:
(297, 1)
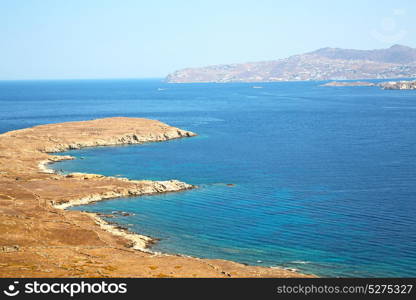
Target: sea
(290, 174)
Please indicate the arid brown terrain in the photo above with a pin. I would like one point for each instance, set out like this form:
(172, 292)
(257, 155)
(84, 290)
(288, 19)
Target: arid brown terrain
(41, 239)
(398, 61)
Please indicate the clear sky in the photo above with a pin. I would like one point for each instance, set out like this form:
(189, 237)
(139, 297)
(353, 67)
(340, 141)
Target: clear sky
(57, 39)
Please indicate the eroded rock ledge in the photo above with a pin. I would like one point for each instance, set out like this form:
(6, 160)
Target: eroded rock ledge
(48, 241)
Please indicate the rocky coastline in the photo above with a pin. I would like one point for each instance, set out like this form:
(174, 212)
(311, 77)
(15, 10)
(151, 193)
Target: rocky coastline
(398, 85)
(42, 239)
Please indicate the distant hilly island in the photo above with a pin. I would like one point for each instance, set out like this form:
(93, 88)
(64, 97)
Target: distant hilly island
(398, 61)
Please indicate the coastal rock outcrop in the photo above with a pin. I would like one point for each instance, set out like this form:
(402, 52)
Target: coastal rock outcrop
(138, 188)
(398, 85)
(349, 83)
(41, 239)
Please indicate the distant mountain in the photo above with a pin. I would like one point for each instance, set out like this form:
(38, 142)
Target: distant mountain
(323, 64)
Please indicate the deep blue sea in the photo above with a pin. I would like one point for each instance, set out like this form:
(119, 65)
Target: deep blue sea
(324, 177)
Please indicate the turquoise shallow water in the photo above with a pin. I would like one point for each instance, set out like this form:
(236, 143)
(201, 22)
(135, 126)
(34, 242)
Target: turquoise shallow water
(324, 177)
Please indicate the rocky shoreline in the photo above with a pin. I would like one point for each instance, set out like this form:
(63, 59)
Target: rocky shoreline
(388, 85)
(151, 187)
(42, 239)
(348, 83)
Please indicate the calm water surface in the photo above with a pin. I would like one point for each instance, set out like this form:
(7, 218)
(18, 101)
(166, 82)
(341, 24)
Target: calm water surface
(324, 178)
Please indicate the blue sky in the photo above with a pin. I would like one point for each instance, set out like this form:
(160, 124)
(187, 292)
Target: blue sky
(58, 39)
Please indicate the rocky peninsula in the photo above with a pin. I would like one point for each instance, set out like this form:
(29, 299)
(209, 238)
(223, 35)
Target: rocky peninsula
(41, 239)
